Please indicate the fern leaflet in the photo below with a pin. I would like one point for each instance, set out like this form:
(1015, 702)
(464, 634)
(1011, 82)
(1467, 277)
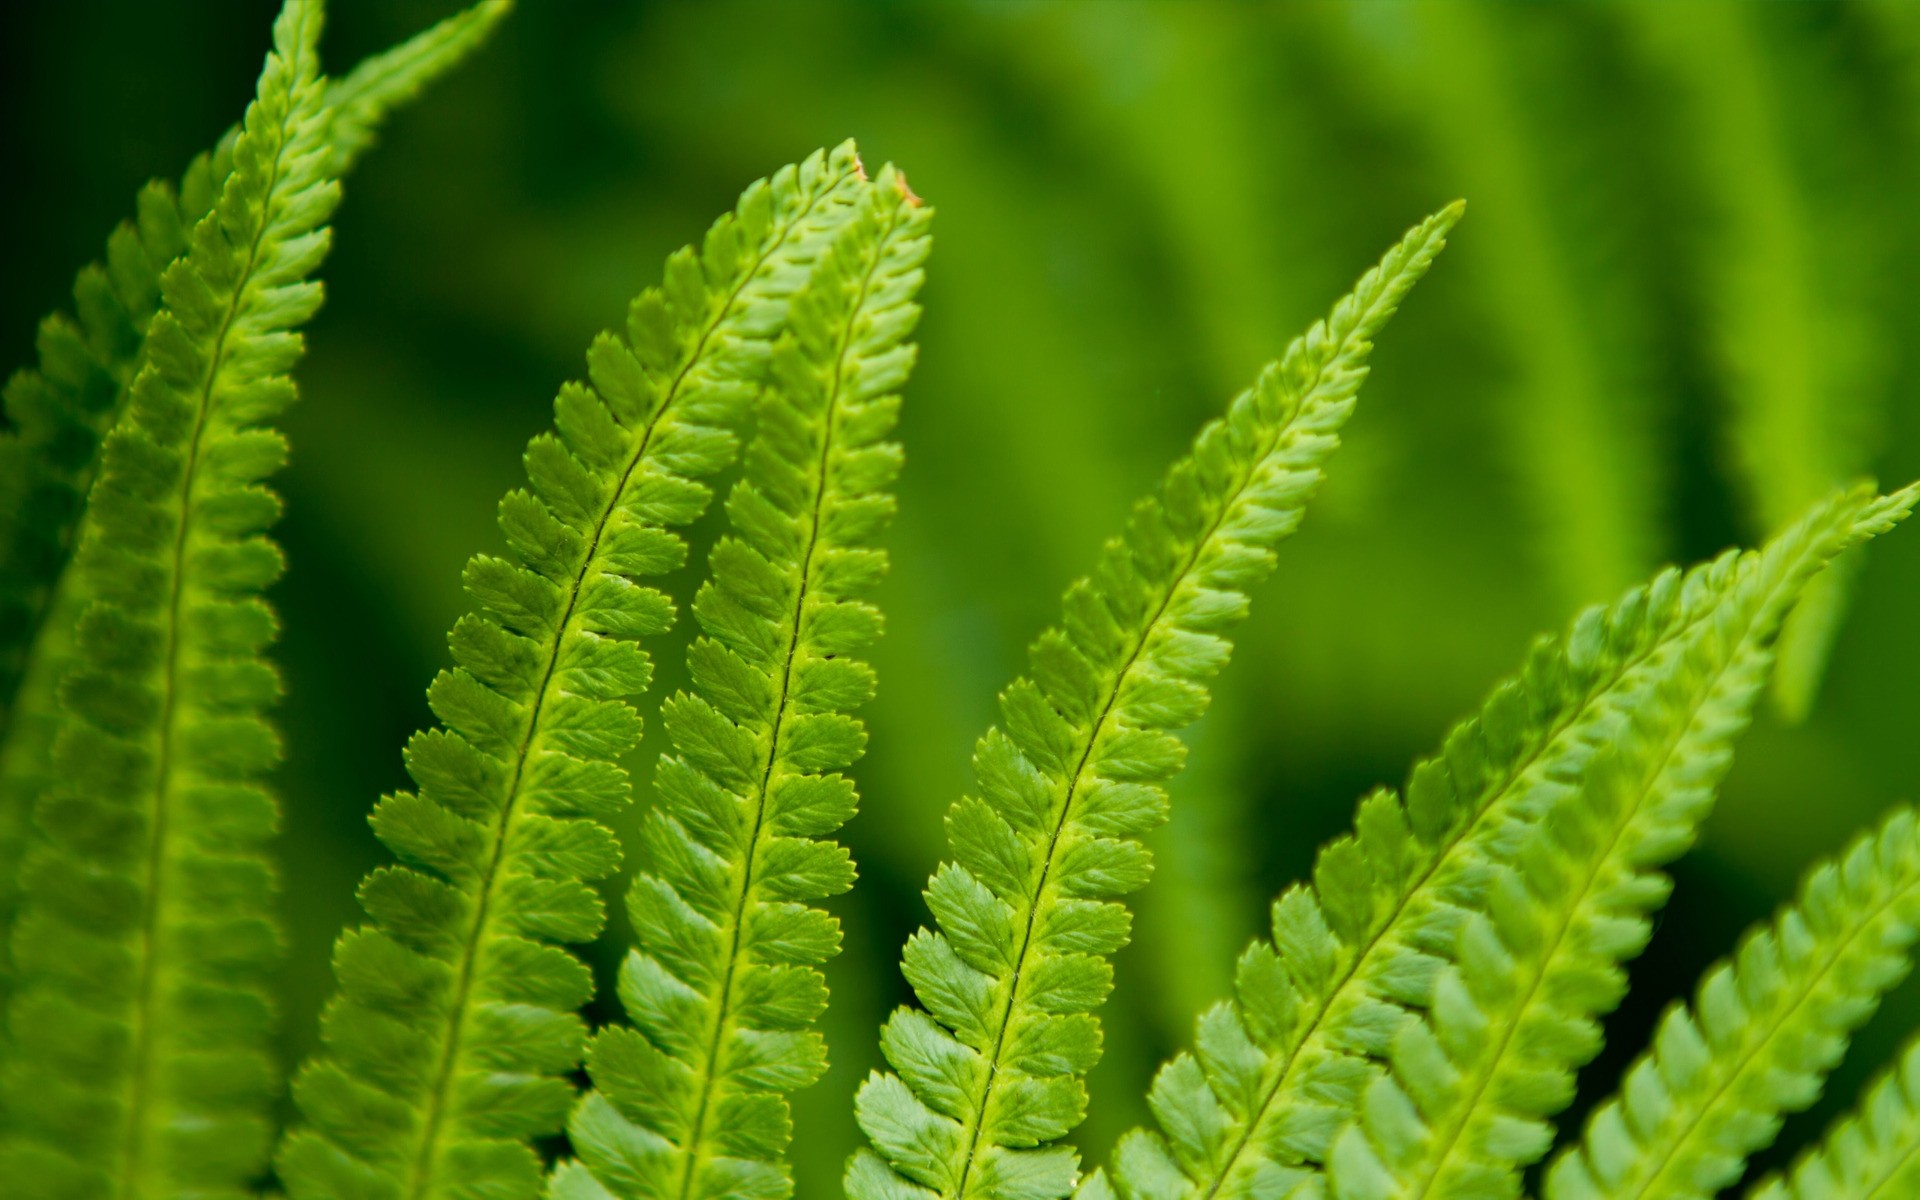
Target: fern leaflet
(722, 987)
(138, 1064)
(1873, 1153)
(455, 1024)
(1277, 1072)
(62, 410)
(1515, 1010)
(992, 1070)
(1764, 1030)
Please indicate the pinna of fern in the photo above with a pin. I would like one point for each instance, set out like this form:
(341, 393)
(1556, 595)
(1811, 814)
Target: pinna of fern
(1540, 956)
(723, 987)
(447, 1046)
(1358, 955)
(1765, 1029)
(138, 1061)
(991, 1072)
(62, 409)
(1872, 1153)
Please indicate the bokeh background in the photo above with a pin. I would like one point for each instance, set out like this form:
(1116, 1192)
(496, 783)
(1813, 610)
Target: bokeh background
(1680, 307)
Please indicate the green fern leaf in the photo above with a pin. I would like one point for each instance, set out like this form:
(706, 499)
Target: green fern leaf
(1280, 1071)
(990, 1072)
(723, 989)
(1764, 1030)
(1873, 1153)
(138, 1065)
(455, 1025)
(62, 410)
(1515, 1010)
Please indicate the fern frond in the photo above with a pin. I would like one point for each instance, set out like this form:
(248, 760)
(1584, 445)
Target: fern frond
(1278, 1072)
(61, 410)
(362, 99)
(722, 987)
(1872, 1153)
(991, 1071)
(138, 1062)
(1765, 1028)
(448, 1044)
(1515, 1011)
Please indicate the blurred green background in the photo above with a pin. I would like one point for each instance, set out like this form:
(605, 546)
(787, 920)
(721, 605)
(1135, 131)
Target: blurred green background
(1679, 307)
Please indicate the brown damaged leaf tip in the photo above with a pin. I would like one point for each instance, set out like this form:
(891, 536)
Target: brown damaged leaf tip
(900, 181)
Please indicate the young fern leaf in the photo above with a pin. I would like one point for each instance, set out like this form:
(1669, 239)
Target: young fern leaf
(61, 411)
(1873, 1153)
(722, 987)
(448, 1044)
(1764, 1030)
(1279, 1071)
(139, 1065)
(992, 1070)
(1515, 1011)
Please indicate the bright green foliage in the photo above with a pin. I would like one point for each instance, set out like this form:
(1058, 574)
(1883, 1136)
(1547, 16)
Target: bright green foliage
(1278, 1072)
(1763, 1032)
(1575, 413)
(992, 1070)
(139, 1065)
(61, 412)
(1786, 272)
(722, 987)
(1873, 1153)
(448, 1044)
(363, 98)
(1539, 959)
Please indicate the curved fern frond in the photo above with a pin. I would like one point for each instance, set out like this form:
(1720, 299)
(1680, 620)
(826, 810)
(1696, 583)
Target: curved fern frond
(1355, 955)
(991, 1071)
(1872, 1153)
(448, 1044)
(61, 410)
(138, 1062)
(1515, 1011)
(722, 986)
(362, 99)
(1765, 1028)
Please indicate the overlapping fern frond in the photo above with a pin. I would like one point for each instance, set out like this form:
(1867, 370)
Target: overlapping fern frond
(137, 1062)
(1765, 1028)
(61, 410)
(989, 1075)
(1358, 954)
(1872, 1153)
(1540, 959)
(723, 987)
(448, 1045)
